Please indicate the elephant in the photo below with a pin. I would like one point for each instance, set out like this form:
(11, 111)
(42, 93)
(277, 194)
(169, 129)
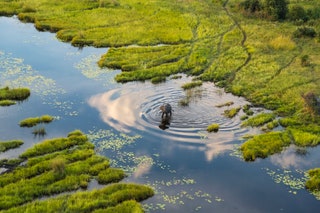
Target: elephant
(166, 110)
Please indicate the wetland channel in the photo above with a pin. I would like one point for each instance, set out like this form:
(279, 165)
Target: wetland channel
(191, 170)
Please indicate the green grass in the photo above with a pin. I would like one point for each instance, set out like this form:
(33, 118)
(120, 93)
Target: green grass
(16, 94)
(66, 164)
(313, 183)
(230, 113)
(5, 145)
(261, 146)
(33, 121)
(213, 128)
(191, 85)
(212, 40)
(259, 120)
(7, 103)
(229, 103)
(304, 138)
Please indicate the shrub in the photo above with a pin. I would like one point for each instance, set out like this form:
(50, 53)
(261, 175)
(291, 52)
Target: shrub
(213, 128)
(276, 9)
(297, 13)
(251, 6)
(311, 103)
(305, 60)
(305, 32)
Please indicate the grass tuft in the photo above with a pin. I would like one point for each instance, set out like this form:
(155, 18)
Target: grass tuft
(213, 128)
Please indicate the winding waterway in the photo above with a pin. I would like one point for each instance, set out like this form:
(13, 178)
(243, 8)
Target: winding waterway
(190, 169)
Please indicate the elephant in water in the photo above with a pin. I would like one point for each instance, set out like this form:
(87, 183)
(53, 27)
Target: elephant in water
(166, 110)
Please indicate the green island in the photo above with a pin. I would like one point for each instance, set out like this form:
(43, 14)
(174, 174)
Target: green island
(63, 165)
(33, 121)
(264, 50)
(10, 96)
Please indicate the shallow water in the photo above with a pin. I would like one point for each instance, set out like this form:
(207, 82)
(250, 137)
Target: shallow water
(191, 170)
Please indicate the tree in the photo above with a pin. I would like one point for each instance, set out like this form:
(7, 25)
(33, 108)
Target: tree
(297, 13)
(276, 9)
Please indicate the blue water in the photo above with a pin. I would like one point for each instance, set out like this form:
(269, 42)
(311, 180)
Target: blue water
(190, 169)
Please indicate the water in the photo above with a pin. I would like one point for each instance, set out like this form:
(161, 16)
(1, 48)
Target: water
(190, 169)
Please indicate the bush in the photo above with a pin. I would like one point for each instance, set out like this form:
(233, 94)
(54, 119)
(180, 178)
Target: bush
(297, 13)
(251, 6)
(305, 32)
(276, 9)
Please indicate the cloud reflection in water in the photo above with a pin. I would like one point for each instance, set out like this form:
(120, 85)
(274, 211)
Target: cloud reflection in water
(135, 106)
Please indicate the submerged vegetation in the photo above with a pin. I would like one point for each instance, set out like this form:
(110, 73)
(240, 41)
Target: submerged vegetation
(61, 165)
(266, 51)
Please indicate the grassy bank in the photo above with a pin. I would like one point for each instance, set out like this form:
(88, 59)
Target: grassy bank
(66, 164)
(274, 64)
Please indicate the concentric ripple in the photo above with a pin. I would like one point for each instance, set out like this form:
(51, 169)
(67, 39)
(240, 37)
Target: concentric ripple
(136, 106)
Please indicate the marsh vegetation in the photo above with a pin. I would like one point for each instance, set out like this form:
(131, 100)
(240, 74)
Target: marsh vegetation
(61, 165)
(265, 52)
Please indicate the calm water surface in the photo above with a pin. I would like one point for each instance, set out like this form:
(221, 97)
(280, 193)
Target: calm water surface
(191, 170)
